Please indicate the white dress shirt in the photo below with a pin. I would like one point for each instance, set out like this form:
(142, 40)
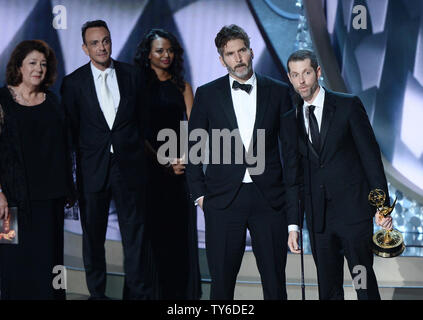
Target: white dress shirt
(318, 112)
(245, 106)
(112, 85)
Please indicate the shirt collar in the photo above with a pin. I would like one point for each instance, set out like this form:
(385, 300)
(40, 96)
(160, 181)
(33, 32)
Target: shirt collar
(251, 81)
(318, 101)
(97, 72)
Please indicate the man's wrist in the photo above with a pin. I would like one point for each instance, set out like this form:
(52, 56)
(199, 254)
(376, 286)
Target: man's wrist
(197, 201)
(293, 227)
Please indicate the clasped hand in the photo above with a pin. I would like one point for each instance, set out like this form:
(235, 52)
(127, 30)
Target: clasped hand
(176, 166)
(384, 222)
(4, 207)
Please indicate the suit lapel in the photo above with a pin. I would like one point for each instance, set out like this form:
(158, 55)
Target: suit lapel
(89, 88)
(328, 112)
(227, 103)
(123, 86)
(263, 94)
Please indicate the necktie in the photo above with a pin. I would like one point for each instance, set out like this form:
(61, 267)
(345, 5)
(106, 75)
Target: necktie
(314, 128)
(246, 87)
(107, 104)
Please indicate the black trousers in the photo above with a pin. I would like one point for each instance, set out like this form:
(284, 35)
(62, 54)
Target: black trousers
(136, 250)
(329, 247)
(225, 243)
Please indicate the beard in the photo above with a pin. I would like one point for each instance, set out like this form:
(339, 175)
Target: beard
(241, 74)
(309, 94)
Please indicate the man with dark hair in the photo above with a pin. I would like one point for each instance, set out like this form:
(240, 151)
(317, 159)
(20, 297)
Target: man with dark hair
(104, 106)
(257, 111)
(93, 24)
(231, 32)
(302, 55)
(342, 164)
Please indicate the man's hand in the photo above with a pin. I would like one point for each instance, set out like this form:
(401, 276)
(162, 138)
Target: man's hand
(200, 202)
(70, 202)
(293, 242)
(4, 207)
(384, 222)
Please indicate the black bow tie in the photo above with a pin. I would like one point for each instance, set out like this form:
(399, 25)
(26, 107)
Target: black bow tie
(246, 87)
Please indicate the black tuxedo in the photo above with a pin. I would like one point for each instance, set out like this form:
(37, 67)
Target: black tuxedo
(102, 175)
(337, 180)
(231, 206)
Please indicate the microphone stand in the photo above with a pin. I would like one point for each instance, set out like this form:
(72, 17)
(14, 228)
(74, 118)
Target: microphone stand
(301, 218)
(302, 254)
(308, 146)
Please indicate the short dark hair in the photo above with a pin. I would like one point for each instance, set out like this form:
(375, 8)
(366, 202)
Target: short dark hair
(301, 55)
(13, 73)
(93, 24)
(231, 32)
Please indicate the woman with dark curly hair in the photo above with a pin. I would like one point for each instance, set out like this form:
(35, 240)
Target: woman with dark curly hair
(171, 215)
(35, 173)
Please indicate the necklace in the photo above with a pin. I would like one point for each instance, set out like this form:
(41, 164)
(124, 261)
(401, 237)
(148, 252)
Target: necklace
(19, 98)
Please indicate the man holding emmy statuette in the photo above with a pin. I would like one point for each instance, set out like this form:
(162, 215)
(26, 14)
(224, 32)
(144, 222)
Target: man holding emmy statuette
(341, 164)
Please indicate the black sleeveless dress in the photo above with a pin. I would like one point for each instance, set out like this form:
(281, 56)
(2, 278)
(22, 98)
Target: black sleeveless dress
(171, 216)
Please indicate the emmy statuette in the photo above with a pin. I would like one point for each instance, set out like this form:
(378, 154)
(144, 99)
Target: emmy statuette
(386, 243)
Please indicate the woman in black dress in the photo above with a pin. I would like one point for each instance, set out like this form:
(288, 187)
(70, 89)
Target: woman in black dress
(35, 173)
(171, 215)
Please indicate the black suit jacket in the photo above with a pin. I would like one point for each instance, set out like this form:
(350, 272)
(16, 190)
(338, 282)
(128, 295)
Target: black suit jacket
(348, 165)
(213, 109)
(91, 135)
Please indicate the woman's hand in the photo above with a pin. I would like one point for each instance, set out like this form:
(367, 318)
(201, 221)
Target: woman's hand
(173, 166)
(178, 166)
(4, 207)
